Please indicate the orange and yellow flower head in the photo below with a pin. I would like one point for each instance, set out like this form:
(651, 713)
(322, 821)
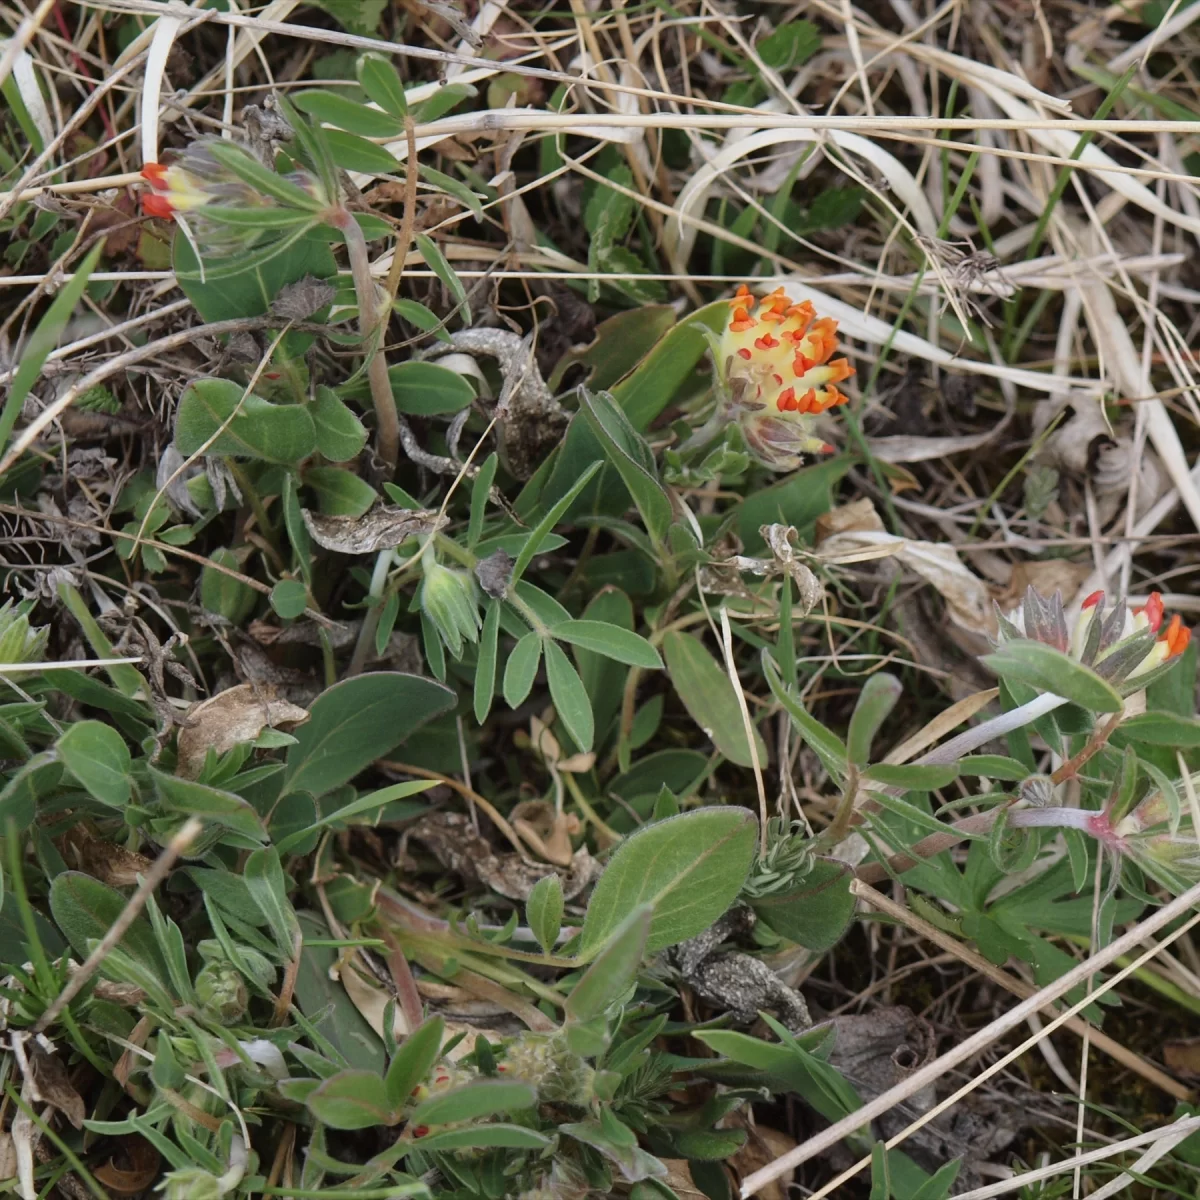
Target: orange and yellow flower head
(200, 188)
(1130, 648)
(775, 362)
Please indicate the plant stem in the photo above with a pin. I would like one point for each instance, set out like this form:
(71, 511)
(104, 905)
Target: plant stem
(366, 635)
(981, 823)
(371, 323)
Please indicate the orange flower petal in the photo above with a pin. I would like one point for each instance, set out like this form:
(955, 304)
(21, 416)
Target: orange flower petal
(157, 206)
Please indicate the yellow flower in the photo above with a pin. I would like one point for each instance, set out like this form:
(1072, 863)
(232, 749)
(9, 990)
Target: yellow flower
(774, 358)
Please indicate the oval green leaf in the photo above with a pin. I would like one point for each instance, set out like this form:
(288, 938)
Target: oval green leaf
(690, 868)
(1050, 670)
(707, 694)
(97, 756)
(357, 721)
(570, 697)
(216, 416)
(610, 640)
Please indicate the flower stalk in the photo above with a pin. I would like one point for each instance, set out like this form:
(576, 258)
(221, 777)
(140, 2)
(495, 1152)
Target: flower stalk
(371, 325)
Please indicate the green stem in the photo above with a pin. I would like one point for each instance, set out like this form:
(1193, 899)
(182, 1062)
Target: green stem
(366, 635)
(370, 324)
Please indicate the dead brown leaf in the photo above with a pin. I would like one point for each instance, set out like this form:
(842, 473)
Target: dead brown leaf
(1183, 1055)
(383, 528)
(106, 861)
(132, 1169)
(763, 1146)
(854, 534)
(848, 518)
(48, 1075)
(546, 832)
(230, 718)
(456, 844)
(1046, 577)
(372, 1001)
(679, 1179)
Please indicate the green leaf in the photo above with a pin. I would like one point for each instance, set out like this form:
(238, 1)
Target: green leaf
(474, 1102)
(247, 168)
(452, 187)
(610, 640)
(221, 593)
(993, 766)
(33, 780)
(570, 697)
(213, 804)
(216, 416)
(876, 700)
(380, 80)
(358, 16)
(334, 109)
(351, 1100)
(427, 390)
(297, 531)
(1050, 670)
(645, 392)
(97, 756)
(810, 1077)
(938, 1185)
(340, 434)
(513, 1137)
(617, 1143)
(828, 746)
(704, 687)
(268, 885)
(414, 1060)
(166, 1071)
(125, 678)
(708, 1145)
(690, 868)
(815, 911)
(370, 802)
(547, 523)
(258, 218)
(633, 459)
(289, 598)
(246, 285)
(621, 342)
(85, 909)
(614, 969)
(435, 260)
(544, 911)
(43, 339)
(481, 490)
(1160, 729)
(799, 500)
(354, 153)
(485, 663)
(789, 45)
(340, 493)
(357, 721)
(881, 1183)
(913, 777)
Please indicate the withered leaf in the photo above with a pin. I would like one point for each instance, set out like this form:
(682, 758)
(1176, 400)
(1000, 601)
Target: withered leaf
(298, 301)
(106, 861)
(49, 1078)
(236, 715)
(456, 845)
(138, 1168)
(383, 528)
